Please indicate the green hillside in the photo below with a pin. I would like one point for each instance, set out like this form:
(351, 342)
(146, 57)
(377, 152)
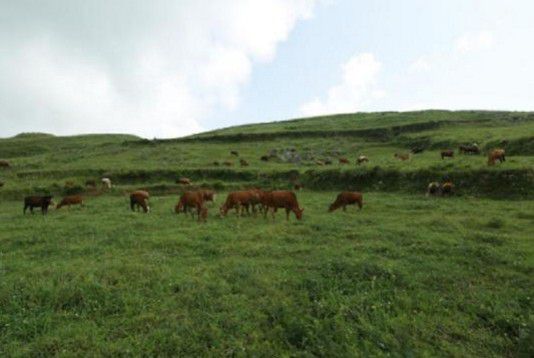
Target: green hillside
(45, 162)
(408, 275)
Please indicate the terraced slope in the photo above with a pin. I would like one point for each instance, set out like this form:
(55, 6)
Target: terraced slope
(44, 163)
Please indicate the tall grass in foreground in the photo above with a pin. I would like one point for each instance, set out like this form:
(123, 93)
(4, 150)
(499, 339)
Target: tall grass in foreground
(407, 275)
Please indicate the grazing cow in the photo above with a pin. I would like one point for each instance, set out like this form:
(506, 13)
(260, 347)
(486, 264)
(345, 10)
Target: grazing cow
(70, 200)
(496, 154)
(216, 163)
(433, 188)
(42, 202)
(264, 158)
(447, 188)
(281, 199)
(447, 153)
(240, 201)
(228, 163)
(191, 200)
(402, 156)
(90, 183)
(347, 198)
(362, 159)
(4, 164)
(243, 162)
(417, 150)
(343, 161)
(106, 183)
(298, 186)
(235, 153)
(184, 181)
(469, 149)
(139, 198)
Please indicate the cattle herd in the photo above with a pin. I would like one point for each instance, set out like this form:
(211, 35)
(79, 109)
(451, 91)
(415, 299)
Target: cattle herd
(194, 202)
(253, 200)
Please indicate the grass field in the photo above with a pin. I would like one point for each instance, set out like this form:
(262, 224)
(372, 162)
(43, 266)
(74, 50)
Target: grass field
(405, 276)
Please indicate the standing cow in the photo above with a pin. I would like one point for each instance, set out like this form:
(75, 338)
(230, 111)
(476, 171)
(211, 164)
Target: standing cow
(281, 199)
(192, 200)
(139, 198)
(106, 183)
(42, 202)
(496, 154)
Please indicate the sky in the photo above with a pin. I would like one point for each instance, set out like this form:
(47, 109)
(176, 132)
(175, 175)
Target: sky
(167, 68)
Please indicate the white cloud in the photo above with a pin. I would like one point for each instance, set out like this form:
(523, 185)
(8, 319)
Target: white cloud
(150, 68)
(422, 64)
(356, 89)
(477, 41)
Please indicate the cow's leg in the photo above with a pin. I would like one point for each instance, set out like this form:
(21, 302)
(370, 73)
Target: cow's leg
(31, 209)
(25, 208)
(288, 210)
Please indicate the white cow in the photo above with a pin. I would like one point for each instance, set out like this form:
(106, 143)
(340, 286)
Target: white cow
(106, 182)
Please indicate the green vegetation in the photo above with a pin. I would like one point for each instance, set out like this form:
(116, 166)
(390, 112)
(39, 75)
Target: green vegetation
(405, 276)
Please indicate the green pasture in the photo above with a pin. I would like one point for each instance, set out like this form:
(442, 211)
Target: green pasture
(406, 275)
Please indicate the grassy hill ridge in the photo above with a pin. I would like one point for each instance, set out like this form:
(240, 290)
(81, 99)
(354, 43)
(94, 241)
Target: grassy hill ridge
(43, 163)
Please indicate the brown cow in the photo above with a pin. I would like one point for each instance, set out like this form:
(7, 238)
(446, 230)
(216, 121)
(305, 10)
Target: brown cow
(191, 200)
(264, 158)
(139, 198)
(235, 153)
(447, 188)
(447, 153)
(402, 156)
(241, 201)
(362, 159)
(70, 200)
(216, 163)
(42, 202)
(228, 163)
(343, 161)
(243, 163)
(347, 198)
(4, 164)
(184, 181)
(298, 186)
(496, 154)
(281, 199)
